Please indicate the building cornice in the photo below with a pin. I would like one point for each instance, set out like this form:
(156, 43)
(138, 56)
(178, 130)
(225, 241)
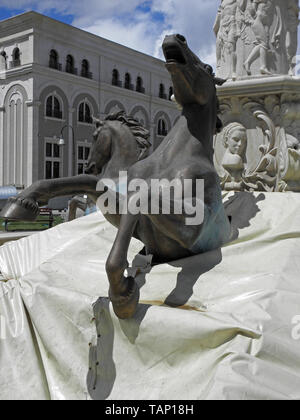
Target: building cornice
(42, 25)
(19, 71)
(17, 36)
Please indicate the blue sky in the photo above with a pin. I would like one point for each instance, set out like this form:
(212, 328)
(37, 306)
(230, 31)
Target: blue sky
(138, 24)
(6, 13)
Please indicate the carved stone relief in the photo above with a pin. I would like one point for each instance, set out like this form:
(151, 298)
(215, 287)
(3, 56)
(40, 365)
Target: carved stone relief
(256, 37)
(289, 158)
(258, 149)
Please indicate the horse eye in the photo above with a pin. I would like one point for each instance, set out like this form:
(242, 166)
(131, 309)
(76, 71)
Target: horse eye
(209, 69)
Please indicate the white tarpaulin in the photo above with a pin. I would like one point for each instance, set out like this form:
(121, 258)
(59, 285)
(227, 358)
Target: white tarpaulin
(221, 325)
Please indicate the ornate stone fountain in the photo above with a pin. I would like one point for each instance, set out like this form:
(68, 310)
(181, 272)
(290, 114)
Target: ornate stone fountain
(256, 52)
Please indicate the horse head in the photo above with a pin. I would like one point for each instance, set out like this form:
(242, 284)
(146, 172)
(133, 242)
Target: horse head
(119, 137)
(194, 81)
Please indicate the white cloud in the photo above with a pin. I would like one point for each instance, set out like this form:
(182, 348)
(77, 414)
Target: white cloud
(134, 37)
(135, 25)
(144, 32)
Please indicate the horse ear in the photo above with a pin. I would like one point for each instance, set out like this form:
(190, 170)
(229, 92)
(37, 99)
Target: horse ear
(219, 81)
(97, 122)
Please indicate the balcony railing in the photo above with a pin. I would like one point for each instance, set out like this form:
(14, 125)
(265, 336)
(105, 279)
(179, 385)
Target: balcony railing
(55, 66)
(128, 86)
(140, 89)
(72, 71)
(86, 74)
(163, 95)
(117, 83)
(15, 63)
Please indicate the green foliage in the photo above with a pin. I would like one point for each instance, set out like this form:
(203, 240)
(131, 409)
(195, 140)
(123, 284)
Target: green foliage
(42, 223)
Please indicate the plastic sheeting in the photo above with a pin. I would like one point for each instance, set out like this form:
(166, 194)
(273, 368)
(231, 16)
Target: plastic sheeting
(215, 326)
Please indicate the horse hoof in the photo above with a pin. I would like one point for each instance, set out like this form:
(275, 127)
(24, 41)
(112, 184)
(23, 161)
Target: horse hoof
(18, 208)
(125, 305)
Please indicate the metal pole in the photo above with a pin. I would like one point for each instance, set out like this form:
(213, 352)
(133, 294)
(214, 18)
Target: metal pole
(73, 146)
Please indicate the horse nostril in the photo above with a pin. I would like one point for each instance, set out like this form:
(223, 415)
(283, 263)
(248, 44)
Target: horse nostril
(181, 38)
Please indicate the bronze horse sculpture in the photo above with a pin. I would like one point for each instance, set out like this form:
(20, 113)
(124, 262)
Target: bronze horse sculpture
(185, 153)
(128, 144)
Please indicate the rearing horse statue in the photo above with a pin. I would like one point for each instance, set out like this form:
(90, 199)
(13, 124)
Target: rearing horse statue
(186, 153)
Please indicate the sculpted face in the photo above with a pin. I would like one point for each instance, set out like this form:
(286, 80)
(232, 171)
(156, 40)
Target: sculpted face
(237, 142)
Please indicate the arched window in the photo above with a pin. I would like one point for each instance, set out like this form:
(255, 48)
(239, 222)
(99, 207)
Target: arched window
(16, 61)
(84, 113)
(139, 85)
(171, 93)
(3, 60)
(53, 107)
(16, 54)
(53, 60)
(162, 127)
(70, 64)
(127, 84)
(115, 78)
(162, 93)
(85, 69)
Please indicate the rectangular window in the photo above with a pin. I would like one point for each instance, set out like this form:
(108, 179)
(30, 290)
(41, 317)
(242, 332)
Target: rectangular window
(56, 151)
(53, 164)
(80, 168)
(83, 152)
(48, 150)
(48, 169)
(80, 153)
(86, 153)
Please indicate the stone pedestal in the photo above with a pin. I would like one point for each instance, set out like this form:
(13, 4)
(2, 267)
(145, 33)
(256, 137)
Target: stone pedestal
(256, 52)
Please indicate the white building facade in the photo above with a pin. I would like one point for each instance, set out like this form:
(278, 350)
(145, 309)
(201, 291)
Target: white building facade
(53, 79)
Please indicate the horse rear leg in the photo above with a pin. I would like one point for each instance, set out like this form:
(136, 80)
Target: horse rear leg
(123, 292)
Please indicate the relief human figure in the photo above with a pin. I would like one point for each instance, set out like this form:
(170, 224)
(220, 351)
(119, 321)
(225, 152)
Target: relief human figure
(292, 33)
(263, 13)
(227, 30)
(235, 142)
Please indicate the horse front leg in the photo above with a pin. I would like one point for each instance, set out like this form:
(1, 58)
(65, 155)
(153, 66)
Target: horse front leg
(26, 205)
(123, 292)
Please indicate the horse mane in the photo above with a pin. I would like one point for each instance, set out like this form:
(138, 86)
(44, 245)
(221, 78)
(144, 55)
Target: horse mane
(141, 134)
(219, 124)
(219, 82)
